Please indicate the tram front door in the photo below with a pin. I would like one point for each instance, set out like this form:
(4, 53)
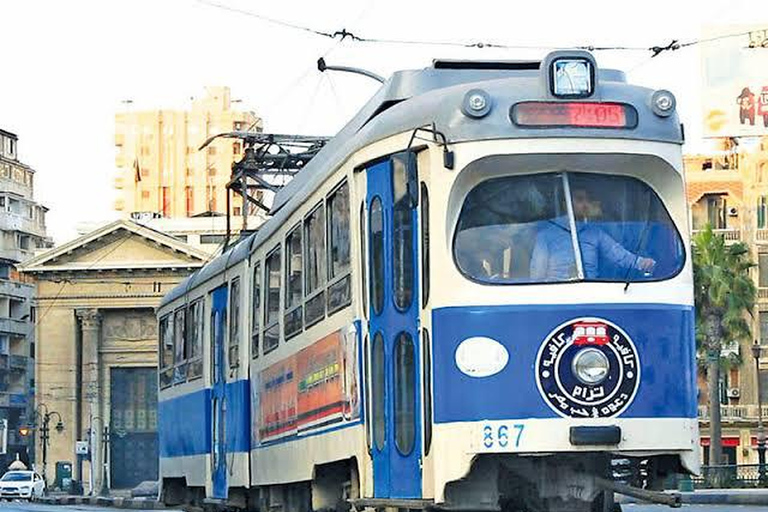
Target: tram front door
(393, 328)
(218, 403)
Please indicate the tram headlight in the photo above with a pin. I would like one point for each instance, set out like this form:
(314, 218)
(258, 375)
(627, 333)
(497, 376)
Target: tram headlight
(477, 103)
(663, 103)
(591, 366)
(572, 78)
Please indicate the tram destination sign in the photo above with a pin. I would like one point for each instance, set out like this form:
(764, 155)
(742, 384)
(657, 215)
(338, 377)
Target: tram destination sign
(578, 114)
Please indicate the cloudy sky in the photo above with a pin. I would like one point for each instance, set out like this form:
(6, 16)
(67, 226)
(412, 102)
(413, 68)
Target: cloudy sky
(67, 67)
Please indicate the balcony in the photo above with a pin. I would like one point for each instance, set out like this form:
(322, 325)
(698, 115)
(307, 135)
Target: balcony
(734, 412)
(13, 400)
(13, 326)
(731, 235)
(13, 222)
(16, 289)
(16, 254)
(8, 185)
(19, 362)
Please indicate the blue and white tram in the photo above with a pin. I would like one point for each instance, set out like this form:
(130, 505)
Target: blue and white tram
(478, 295)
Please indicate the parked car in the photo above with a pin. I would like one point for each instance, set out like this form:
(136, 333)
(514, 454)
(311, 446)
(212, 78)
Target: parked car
(21, 484)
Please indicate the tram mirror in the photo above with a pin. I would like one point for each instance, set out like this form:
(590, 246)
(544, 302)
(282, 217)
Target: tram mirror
(413, 178)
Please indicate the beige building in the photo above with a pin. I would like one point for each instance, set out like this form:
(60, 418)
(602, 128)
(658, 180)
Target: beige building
(728, 188)
(96, 362)
(204, 232)
(161, 170)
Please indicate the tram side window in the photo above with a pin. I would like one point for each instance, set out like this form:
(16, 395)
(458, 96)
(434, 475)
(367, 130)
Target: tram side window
(363, 260)
(256, 315)
(180, 369)
(315, 259)
(338, 248)
(272, 310)
(402, 236)
(195, 338)
(293, 284)
(517, 229)
(166, 350)
(376, 229)
(234, 323)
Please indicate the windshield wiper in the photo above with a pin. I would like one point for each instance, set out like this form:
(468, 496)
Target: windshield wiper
(640, 241)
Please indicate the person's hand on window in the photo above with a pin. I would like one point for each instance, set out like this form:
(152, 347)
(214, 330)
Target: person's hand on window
(646, 264)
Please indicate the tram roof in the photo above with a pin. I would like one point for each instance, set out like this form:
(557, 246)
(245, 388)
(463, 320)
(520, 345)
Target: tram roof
(218, 265)
(417, 98)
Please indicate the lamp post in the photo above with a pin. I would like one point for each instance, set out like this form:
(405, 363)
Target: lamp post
(45, 430)
(756, 348)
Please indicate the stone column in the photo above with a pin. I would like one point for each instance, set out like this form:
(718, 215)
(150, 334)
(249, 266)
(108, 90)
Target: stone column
(90, 323)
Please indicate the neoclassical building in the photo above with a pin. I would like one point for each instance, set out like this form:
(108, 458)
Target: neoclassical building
(96, 364)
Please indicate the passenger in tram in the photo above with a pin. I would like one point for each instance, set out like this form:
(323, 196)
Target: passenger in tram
(553, 257)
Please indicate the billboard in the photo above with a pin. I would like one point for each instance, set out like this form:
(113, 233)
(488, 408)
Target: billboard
(735, 82)
(315, 388)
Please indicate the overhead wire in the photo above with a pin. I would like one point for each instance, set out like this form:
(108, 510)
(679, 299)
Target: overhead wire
(343, 34)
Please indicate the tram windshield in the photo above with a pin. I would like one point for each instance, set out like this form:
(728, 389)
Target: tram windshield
(566, 226)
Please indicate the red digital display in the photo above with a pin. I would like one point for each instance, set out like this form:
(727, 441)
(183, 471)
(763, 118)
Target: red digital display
(580, 114)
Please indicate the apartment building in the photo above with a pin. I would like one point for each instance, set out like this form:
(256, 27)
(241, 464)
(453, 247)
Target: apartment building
(161, 169)
(728, 188)
(22, 233)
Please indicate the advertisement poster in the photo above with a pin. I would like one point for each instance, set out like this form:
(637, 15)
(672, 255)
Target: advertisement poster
(735, 82)
(316, 388)
(278, 400)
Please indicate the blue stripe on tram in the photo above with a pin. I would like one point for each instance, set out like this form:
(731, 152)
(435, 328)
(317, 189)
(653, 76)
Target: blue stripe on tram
(185, 421)
(663, 335)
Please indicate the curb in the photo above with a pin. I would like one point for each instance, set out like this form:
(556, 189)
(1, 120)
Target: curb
(102, 501)
(713, 498)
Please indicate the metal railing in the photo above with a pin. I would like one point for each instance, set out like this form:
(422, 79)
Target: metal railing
(734, 412)
(729, 234)
(728, 476)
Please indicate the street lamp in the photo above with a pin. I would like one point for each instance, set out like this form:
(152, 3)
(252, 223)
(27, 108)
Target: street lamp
(44, 433)
(756, 348)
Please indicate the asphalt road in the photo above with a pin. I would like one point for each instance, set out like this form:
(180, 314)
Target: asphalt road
(22, 506)
(694, 508)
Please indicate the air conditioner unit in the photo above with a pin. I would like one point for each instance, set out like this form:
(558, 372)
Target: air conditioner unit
(733, 211)
(734, 392)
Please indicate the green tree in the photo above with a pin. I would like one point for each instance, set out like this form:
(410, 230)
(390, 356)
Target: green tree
(724, 295)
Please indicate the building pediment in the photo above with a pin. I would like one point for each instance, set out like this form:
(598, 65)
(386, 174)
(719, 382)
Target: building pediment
(120, 245)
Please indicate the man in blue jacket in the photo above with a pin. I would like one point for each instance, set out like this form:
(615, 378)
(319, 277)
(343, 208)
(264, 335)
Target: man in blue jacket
(553, 258)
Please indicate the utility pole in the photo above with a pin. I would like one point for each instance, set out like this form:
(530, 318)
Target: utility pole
(756, 348)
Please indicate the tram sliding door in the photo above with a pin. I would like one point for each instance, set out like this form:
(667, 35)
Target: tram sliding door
(219, 382)
(394, 357)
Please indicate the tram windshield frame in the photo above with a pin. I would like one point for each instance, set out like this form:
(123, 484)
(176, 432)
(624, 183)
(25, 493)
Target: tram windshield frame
(565, 227)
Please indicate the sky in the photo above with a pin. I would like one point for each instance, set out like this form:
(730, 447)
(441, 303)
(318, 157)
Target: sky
(67, 67)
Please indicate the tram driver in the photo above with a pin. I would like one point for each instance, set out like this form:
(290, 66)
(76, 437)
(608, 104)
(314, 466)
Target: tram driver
(553, 257)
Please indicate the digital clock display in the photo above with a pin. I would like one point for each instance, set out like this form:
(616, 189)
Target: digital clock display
(542, 114)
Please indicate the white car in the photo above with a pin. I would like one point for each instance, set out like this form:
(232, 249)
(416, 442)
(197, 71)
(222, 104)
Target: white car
(21, 484)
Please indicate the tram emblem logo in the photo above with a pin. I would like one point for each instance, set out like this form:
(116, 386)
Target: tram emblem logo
(565, 391)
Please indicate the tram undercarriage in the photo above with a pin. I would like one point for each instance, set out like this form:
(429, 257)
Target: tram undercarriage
(583, 482)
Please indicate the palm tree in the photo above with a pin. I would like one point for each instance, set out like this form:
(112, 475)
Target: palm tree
(724, 295)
